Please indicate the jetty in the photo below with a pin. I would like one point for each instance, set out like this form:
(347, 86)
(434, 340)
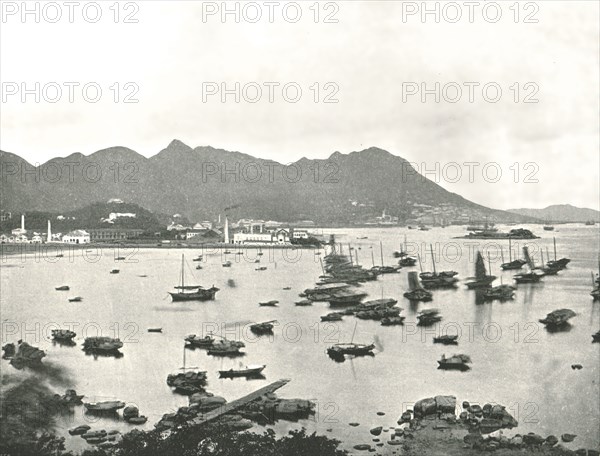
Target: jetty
(238, 403)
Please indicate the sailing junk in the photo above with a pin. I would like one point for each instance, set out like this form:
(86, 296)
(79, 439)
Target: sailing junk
(101, 345)
(558, 318)
(195, 293)
(416, 291)
(501, 293)
(557, 264)
(512, 264)
(533, 276)
(481, 279)
(443, 279)
(428, 317)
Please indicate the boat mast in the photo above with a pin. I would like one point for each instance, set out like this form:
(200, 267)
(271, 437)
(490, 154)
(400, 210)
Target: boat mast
(420, 265)
(509, 251)
(554, 241)
(381, 251)
(350, 251)
(432, 259)
(502, 254)
(182, 284)
(372, 257)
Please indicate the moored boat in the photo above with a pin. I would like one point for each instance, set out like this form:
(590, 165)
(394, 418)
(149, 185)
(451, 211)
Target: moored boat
(446, 339)
(428, 317)
(333, 316)
(104, 406)
(501, 293)
(455, 362)
(76, 299)
(192, 292)
(534, 275)
(338, 351)
(62, 288)
(196, 341)
(416, 291)
(558, 318)
(63, 334)
(263, 328)
(101, 344)
(248, 371)
(154, 330)
(272, 303)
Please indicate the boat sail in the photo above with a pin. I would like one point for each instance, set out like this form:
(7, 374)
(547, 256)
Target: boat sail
(197, 293)
(481, 279)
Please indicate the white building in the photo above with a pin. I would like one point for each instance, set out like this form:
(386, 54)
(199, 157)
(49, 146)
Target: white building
(300, 234)
(76, 237)
(275, 237)
(36, 239)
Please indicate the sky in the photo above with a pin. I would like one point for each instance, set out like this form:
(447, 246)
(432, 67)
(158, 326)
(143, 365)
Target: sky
(369, 73)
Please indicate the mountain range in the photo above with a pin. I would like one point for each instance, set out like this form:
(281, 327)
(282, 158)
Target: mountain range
(561, 213)
(202, 182)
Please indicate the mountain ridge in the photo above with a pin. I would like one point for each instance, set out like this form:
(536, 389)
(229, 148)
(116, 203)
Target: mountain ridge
(200, 182)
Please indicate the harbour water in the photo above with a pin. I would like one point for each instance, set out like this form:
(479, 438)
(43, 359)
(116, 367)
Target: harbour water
(516, 362)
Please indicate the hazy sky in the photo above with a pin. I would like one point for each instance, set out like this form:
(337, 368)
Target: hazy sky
(368, 60)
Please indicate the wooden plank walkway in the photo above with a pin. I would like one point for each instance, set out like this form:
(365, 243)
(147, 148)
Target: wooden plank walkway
(234, 405)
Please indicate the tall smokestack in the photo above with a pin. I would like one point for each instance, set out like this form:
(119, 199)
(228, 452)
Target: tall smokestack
(226, 230)
(22, 222)
(49, 239)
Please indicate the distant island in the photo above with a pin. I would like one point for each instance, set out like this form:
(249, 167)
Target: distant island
(561, 213)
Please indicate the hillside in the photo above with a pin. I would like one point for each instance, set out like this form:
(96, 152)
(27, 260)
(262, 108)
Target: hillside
(202, 182)
(96, 215)
(560, 213)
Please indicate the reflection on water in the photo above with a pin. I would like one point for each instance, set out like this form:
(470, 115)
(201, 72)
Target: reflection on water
(516, 361)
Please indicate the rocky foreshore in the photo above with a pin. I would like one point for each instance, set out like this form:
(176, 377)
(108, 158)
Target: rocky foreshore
(434, 428)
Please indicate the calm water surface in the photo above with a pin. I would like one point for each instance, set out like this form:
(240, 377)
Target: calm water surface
(516, 362)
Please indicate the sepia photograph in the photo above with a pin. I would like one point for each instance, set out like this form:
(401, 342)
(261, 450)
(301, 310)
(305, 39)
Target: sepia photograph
(300, 228)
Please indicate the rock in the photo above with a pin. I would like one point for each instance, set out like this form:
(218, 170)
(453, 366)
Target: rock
(489, 425)
(362, 447)
(568, 437)
(533, 439)
(207, 403)
(465, 405)
(394, 442)
(487, 410)
(241, 425)
(130, 412)
(399, 432)
(516, 441)
(551, 440)
(425, 407)
(137, 420)
(473, 439)
(79, 430)
(476, 410)
(499, 413)
(445, 404)
(405, 418)
(464, 416)
(376, 430)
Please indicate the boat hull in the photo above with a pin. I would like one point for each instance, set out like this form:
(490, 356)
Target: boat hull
(200, 295)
